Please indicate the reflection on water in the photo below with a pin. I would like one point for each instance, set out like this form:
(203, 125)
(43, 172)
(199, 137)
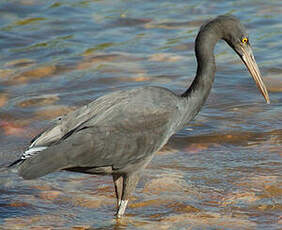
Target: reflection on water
(222, 171)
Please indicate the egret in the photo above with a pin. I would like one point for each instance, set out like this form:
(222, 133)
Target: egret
(118, 133)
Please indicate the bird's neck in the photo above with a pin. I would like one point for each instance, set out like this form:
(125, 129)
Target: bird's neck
(198, 92)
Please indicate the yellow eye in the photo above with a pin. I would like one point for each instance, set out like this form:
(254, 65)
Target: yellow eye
(244, 40)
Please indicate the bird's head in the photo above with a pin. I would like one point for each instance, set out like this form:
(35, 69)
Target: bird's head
(234, 33)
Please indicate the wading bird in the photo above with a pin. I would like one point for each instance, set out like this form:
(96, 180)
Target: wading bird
(118, 134)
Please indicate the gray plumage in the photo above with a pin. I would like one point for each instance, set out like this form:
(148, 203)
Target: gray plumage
(118, 133)
(116, 130)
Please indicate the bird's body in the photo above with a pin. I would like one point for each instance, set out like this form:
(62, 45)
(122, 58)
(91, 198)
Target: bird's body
(109, 135)
(118, 133)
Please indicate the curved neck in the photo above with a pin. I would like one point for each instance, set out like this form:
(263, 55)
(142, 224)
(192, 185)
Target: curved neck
(198, 92)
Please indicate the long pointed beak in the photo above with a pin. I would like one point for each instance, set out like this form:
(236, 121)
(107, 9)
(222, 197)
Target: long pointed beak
(250, 62)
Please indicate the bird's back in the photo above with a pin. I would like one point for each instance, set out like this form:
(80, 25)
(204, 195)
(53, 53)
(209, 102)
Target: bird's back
(116, 130)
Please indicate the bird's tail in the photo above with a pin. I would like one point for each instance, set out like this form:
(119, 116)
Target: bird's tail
(42, 160)
(27, 154)
(46, 161)
(15, 163)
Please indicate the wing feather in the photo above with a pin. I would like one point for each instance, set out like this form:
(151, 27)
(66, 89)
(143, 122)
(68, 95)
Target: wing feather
(124, 130)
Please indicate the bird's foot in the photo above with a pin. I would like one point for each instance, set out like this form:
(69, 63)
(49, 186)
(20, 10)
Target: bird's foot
(121, 208)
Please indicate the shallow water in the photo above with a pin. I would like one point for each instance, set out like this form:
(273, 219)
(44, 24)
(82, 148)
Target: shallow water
(222, 172)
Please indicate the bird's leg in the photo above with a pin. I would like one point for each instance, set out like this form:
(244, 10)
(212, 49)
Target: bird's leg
(118, 182)
(129, 184)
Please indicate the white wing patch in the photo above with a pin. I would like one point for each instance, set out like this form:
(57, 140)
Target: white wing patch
(32, 151)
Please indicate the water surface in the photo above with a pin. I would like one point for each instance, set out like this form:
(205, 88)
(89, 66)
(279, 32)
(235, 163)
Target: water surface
(223, 171)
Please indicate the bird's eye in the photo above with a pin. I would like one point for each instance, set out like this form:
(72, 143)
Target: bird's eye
(244, 40)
